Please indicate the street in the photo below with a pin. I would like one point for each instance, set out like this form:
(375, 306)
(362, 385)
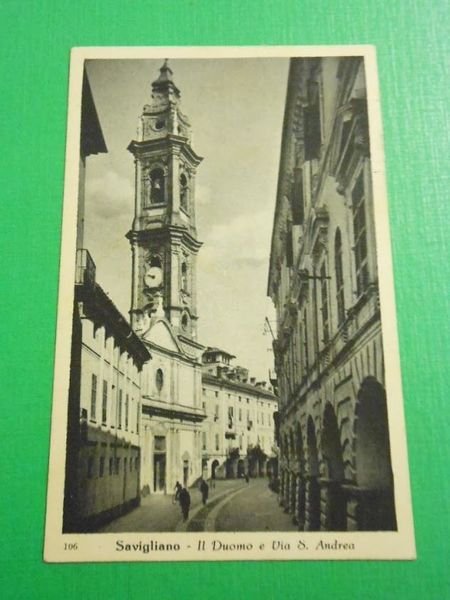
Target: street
(233, 505)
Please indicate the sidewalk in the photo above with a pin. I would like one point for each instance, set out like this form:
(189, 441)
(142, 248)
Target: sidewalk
(157, 512)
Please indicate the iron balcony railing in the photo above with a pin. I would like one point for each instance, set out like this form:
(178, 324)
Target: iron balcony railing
(85, 268)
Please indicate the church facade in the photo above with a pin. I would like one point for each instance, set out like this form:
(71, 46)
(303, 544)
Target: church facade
(335, 464)
(164, 247)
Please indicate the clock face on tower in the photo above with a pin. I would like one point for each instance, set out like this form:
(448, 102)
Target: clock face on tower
(153, 277)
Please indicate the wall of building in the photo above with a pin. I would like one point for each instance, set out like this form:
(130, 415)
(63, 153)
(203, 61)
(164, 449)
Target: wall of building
(108, 457)
(335, 460)
(116, 373)
(108, 475)
(251, 423)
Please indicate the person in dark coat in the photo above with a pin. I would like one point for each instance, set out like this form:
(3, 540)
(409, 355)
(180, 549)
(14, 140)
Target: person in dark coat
(204, 489)
(178, 488)
(185, 503)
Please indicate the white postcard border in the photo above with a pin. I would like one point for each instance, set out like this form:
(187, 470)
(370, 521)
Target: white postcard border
(183, 546)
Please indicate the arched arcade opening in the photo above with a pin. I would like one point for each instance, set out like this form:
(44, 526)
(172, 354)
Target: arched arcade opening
(312, 522)
(376, 509)
(335, 499)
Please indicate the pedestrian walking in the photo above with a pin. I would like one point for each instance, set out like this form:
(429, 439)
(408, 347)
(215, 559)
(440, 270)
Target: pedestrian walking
(184, 499)
(204, 489)
(176, 496)
(246, 478)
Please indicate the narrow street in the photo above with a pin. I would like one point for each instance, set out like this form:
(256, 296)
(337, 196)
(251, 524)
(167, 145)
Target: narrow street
(254, 509)
(233, 505)
(249, 507)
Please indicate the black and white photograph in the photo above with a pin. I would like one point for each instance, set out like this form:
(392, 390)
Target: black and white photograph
(227, 379)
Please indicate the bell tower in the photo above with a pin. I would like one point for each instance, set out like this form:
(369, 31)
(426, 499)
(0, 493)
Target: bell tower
(163, 236)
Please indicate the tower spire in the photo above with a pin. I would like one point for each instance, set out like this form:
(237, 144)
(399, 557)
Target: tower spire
(165, 82)
(165, 72)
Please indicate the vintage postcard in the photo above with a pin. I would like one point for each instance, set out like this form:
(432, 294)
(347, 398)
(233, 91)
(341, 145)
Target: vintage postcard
(227, 381)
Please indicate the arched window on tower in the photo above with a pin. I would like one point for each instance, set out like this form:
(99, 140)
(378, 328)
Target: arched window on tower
(156, 181)
(184, 192)
(339, 277)
(155, 261)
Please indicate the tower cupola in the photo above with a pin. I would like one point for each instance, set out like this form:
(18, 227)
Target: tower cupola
(163, 116)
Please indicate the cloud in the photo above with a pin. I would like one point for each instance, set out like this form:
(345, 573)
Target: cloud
(202, 195)
(244, 239)
(232, 280)
(110, 195)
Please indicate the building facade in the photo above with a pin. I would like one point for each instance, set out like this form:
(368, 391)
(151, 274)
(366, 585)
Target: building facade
(238, 434)
(103, 430)
(110, 358)
(163, 311)
(335, 466)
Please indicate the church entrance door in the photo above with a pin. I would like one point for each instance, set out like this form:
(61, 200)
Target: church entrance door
(159, 472)
(159, 464)
(185, 472)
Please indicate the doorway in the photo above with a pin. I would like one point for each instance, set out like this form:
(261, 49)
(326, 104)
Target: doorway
(159, 472)
(159, 464)
(214, 466)
(185, 473)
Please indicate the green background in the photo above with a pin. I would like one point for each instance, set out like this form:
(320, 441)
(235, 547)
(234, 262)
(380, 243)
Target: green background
(36, 38)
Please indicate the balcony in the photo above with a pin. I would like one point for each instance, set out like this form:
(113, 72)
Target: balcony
(85, 268)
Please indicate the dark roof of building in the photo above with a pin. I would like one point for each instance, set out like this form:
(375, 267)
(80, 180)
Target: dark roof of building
(91, 135)
(101, 309)
(238, 385)
(213, 350)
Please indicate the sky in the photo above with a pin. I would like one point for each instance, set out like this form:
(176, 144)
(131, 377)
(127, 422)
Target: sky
(236, 109)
